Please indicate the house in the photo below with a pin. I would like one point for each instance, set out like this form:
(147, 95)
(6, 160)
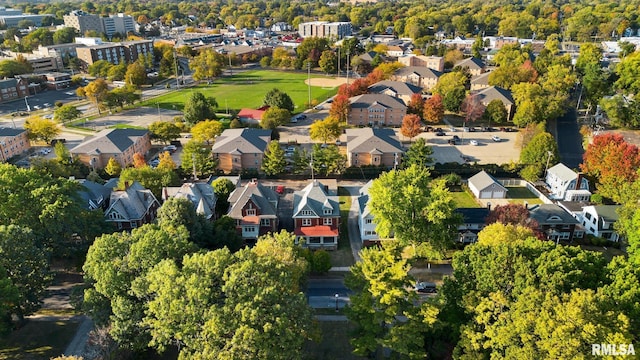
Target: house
(316, 216)
(94, 196)
(399, 89)
(473, 221)
(567, 185)
(480, 82)
(394, 51)
(487, 95)
(556, 223)
(432, 62)
(12, 89)
(366, 223)
(238, 149)
(474, 65)
(252, 116)
(485, 186)
(201, 195)
(423, 77)
(599, 220)
(378, 147)
(376, 110)
(254, 207)
(132, 207)
(13, 142)
(120, 144)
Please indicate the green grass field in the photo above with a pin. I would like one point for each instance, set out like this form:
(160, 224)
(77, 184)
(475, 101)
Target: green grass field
(247, 90)
(519, 194)
(464, 200)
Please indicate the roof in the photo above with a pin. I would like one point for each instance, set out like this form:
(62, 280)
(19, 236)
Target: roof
(421, 71)
(562, 172)
(131, 203)
(314, 197)
(93, 195)
(264, 198)
(551, 214)
(8, 83)
(318, 230)
(367, 140)
(495, 93)
(482, 79)
(471, 63)
(483, 180)
(399, 87)
(110, 141)
(245, 141)
(473, 215)
(367, 100)
(608, 213)
(251, 114)
(6, 132)
(363, 205)
(201, 195)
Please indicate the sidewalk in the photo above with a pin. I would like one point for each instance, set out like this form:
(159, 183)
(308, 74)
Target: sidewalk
(331, 318)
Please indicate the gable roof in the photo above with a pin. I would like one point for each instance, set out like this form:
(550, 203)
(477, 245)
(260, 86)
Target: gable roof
(367, 100)
(367, 140)
(548, 213)
(608, 213)
(8, 83)
(315, 198)
(264, 198)
(93, 195)
(482, 79)
(562, 172)
(255, 114)
(201, 195)
(472, 63)
(495, 93)
(421, 71)
(482, 180)
(131, 203)
(473, 215)
(400, 87)
(109, 141)
(242, 140)
(363, 199)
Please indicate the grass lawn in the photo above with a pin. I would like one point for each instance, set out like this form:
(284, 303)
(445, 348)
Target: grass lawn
(519, 194)
(38, 340)
(464, 200)
(247, 90)
(334, 343)
(343, 256)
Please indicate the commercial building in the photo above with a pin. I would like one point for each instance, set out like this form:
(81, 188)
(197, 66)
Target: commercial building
(12, 89)
(119, 23)
(324, 29)
(114, 52)
(84, 22)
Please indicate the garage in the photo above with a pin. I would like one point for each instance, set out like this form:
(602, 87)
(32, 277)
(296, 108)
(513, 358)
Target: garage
(485, 186)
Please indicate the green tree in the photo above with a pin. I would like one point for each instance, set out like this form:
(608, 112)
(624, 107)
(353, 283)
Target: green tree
(63, 155)
(96, 91)
(181, 211)
(418, 154)
(41, 129)
(274, 117)
(136, 74)
(64, 35)
(207, 65)
(152, 179)
(164, 131)
(274, 161)
(326, 130)
(9, 296)
(453, 99)
(310, 49)
(198, 108)
(113, 167)
(453, 81)
(328, 62)
(118, 72)
(196, 156)
(541, 150)
(222, 187)
(327, 160)
(405, 204)
(279, 99)
(100, 68)
(301, 161)
(496, 112)
(66, 113)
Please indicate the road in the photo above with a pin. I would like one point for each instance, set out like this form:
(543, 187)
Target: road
(321, 293)
(569, 139)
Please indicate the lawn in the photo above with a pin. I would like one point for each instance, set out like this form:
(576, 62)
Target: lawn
(343, 256)
(246, 90)
(38, 340)
(464, 200)
(519, 194)
(334, 343)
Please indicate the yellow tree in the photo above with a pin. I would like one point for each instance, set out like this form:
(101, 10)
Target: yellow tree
(41, 129)
(166, 161)
(113, 167)
(207, 131)
(325, 130)
(96, 91)
(138, 161)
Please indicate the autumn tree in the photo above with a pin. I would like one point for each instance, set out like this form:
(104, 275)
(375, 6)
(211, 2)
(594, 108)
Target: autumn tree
(473, 108)
(513, 214)
(434, 109)
(274, 117)
(326, 130)
(411, 126)
(165, 162)
(138, 161)
(113, 167)
(340, 108)
(164, 131)
(206, 131)
(96, 91)
(416, 105)
(41, 129)
(207, 65)
(136, 74)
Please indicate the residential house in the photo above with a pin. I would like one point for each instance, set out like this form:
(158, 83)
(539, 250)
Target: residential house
(252, 116)
(473, 221)
(94, 195)
(474, 65)
(567, 185)
(254, 207)
(491, 93)
(238, 149)
(423, 77)
(485, 186)
(555, 222)
(398, 89)
(13, 142)
(132, 207)
(316, 216)
(432, 62)
(366, 223)
(120, 144)
(201, 195)
(599, 220)
(376, 110)
(480, 82)
(460, 43)
(394, 51)
(12, 89)
(378, 147)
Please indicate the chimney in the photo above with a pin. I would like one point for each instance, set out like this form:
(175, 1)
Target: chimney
(579, 180)
(526, 205)
(254, 181)
(165, 192)
(126, 185)
(488, 206)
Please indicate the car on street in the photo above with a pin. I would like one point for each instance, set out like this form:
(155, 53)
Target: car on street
(440, 133)
(36, 107)
(426, 287)
(473, 142)
(280, 189)
(48, 116)
(170, 148)
(496, 138)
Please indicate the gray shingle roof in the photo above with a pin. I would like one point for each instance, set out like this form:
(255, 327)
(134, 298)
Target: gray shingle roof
(11, 132)
(262, 196)
(109, 141)
(608, 213)
(473, 215)
(8, 83)
(471, 63)
(493, 93)
(314, 197)
(131, 203)
(366, 100)
(562, 172)
(401, 88)
(93, 195)
(482, 79)
(363, 199)
(421, 71)
(201, 195)
(245, 141)
(482, 180)
(367, 140)
(548, 213)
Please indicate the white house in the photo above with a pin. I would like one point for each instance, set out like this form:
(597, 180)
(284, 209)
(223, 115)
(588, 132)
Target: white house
(598, 221)
(567, 185)
(484, 186)
(367, 226)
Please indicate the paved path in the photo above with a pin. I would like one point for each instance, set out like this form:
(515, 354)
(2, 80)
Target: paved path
(331, 318)
(78, 344)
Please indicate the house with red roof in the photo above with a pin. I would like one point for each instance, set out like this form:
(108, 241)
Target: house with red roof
(254, 208)
(252, 116)
(316, 217)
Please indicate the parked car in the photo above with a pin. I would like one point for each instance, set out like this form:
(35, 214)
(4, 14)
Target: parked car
(170, 148)
(426, 287)
(473, 142)
(280, 189)
(456, 138)
(452, 129)
(36, 107)
(496, 138)
(440, 133)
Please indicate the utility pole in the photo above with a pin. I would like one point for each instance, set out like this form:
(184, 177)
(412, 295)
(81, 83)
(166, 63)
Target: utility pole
(230, 68)
(348, 53)
(309, 81)
(175, 61)
(338, 61)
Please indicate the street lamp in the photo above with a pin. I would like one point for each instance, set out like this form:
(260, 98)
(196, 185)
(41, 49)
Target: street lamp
(549, 153)
(26, 103)
(337, 297)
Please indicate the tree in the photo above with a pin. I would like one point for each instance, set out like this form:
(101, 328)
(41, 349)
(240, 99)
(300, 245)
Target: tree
(327, 130)
(540, 151)
(328, 62)
(613, 162)
(222, 187)
(152, 179)
(113, 167)
(434, 109)
(164, 131)
(310, 49)
(119, 97)
(327, 160)
(513, 214)
(198, 107)
(340, 108)
(416, 105)
(628, 71)
(207, 131)
(473, 108)
(136, 74)
(274, 161)
(499, 232)
(406, 205)
(118, 72)
(96, 91)
(411, 126)
(196, 156)
(176, 212)
(100, 68)
(418, 154)
(496, 112)
(8, 297)
(165, 162)
(453, 99)
(207, 65)
(66, 113)
(274, 117)
(279, 99)
(65, 35)
(449, 82)
(63, 155)
(477, 47)
(41, 129)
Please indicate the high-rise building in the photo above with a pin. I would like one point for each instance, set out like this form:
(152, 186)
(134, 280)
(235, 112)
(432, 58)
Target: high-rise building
(119, 23)
(84, 22)
(324, 29)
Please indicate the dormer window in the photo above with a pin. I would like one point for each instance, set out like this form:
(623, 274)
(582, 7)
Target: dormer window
(328, 211)
(306, 212)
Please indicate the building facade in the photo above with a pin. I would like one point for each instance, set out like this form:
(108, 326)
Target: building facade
(432, 62)
(12, 89)
(254, 208)
(377, 147)
(238, 149)
(120, 144)
(114, 52)
(83, 22)
(325, 29)
(316, 217)
(13, 142)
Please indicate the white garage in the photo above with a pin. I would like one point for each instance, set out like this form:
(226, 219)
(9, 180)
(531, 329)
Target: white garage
(485, 186)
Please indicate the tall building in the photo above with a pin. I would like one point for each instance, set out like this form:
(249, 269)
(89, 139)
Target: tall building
(119, 23)
(114, 52)
(324, 29)
(84, 22)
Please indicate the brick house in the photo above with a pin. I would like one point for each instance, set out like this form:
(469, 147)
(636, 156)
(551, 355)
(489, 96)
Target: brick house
(132, 207)
(379, 147)
(13, 142)
(238, 149)
(316, 216)
(120, 144)
(421, 76)
(376, 110)
(254, 207)
(12, 89)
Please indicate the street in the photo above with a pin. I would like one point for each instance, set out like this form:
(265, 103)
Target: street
(321, 293)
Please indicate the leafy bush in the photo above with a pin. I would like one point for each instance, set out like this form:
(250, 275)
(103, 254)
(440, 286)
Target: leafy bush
(321, 262)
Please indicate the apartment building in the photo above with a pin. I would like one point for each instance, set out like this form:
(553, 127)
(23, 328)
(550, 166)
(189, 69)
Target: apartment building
(325, 29)
(114, 52)
(13, 142)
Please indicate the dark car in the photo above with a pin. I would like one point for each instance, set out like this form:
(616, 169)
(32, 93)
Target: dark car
(456, 138)
(440, 133)
(426, 287)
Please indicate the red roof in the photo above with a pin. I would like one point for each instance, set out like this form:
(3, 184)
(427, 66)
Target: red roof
(251, 114)
(319, 230)
(250, 220)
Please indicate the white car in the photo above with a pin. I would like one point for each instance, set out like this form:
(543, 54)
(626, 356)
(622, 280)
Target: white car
(170, 148)
(473, 142)
(496, 138)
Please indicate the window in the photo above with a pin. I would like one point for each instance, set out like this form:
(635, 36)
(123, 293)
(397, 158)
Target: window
(306, 222)
(328, 211)
(327, 221)
(265, 222)
(133, 224)
(368, 221)
(251, 212)
(578, 234)
(314, 240)
(306, 212)
(249, 229)
(587, 216)
(369, 233)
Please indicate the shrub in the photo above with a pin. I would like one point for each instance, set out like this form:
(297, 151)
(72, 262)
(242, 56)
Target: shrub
(321, 262)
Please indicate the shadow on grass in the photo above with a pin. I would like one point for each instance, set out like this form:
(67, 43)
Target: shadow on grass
(38, 340)
(334, 343)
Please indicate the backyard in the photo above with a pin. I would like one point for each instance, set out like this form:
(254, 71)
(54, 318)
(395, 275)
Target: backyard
(246, 90)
